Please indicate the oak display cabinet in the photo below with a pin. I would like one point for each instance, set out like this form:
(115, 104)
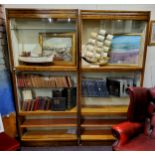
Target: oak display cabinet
(71, 68)
(43, 57)
(112, 58)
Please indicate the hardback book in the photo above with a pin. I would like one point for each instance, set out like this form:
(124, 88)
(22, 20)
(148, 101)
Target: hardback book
(84, 87)
(91, 87)
(58, 104)
(40, 104)
(48, 104)
(58, 93)
(94, 88)
(28, 105)
(118, 86)
(101, 87)
(113, 86)
(70, 94)
(24, 104)
(36, 103)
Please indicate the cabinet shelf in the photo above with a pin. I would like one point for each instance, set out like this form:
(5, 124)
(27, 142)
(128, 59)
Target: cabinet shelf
(22, 88)
(68, 122)
(97, 137)
(95, 123)
(52, 135)
(104, 111)
(46, 68)
(71, 112)
(111, 68)
(102, 101)
(93, 135)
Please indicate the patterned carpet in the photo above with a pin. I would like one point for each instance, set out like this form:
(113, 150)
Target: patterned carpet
(68, 148)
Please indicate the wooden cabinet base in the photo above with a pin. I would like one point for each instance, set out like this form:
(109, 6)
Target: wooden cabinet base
(67, 143)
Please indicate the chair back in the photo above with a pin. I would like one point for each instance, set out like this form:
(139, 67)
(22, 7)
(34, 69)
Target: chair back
(138, 106)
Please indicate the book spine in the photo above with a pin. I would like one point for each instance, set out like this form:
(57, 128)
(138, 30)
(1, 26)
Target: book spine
(71, 97)
(59, 104)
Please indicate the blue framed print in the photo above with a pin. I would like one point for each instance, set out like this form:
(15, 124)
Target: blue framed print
(125, 49)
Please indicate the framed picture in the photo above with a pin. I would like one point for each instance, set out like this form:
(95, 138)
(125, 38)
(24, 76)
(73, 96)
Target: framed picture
(125, 49)
(61, 45)
(152, 33)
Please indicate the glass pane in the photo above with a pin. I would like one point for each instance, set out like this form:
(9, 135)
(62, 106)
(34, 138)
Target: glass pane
(29, 37)
(54, 91)
(107, 89)
(119, 42)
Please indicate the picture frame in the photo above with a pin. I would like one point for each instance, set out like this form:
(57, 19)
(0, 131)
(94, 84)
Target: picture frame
(62, 45)
(125, 49)
(152, 33)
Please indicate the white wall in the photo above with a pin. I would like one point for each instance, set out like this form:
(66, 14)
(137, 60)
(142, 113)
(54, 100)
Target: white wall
(149, 79)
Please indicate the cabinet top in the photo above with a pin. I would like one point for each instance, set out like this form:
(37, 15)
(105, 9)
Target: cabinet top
(73, 13)
(115, 14)
(41, 13)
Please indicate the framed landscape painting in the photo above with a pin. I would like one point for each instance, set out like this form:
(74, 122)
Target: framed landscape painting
(125, 49)
(61, 45)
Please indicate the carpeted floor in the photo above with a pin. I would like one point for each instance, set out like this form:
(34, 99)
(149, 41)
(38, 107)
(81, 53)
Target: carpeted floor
(68, 148)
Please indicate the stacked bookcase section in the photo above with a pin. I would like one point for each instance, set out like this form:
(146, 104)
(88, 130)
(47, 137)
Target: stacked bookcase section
(112, 58)
(43, 49)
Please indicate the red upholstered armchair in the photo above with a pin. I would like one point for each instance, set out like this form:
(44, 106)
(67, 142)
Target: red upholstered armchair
(8, 143)
(138, 132)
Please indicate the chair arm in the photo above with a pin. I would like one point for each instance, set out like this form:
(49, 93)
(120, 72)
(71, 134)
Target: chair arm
(125, 131)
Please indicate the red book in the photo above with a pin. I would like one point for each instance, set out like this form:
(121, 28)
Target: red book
(36, 102)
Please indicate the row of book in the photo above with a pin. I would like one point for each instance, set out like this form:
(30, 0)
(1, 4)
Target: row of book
(107, 87)
(62, 100)
(40, 81)
(40, 103)
(118, 86)
(94, 88)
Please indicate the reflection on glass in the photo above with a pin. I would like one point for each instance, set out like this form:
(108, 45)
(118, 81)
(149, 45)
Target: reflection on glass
(122, 42)
(25, 34)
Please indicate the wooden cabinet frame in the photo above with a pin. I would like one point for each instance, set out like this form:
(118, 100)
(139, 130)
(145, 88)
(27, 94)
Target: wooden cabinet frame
(79, 112)
(89, 114)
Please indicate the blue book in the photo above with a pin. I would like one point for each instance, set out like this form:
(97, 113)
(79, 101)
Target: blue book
(84, 88)
(90, 87)
(96, 92)
(102, 88)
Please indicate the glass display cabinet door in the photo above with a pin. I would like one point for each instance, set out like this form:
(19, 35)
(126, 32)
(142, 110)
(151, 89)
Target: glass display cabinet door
(49, 41)
(113, 42)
